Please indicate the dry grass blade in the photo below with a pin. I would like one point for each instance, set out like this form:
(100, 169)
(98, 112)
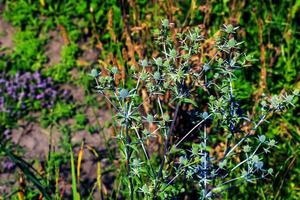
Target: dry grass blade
(101, 187)
(80, 154)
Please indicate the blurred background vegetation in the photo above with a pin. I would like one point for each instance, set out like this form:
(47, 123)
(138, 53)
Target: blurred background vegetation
(65, 39)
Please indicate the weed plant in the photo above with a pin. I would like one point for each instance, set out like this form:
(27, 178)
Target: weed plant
(221, 120)
(120, 30)
(25, 92)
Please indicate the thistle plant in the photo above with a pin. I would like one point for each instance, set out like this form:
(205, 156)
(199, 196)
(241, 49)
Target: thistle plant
(173, 82)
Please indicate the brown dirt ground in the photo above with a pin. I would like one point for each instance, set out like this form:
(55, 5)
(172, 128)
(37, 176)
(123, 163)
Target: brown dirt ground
(35, 141)
(53, 48)
(6, 34)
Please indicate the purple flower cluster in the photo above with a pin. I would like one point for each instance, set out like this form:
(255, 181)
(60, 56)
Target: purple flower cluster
(25, 91)
(7, 165)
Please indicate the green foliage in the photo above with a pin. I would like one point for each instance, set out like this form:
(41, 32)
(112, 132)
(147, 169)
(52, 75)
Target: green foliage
(60, 111)
(38, 182)
(61, 71)
(122, 33)
(73, 172)
(24, 12)
(28, 51)
(169, 73)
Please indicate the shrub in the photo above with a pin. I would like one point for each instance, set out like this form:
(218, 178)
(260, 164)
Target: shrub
(228, 150)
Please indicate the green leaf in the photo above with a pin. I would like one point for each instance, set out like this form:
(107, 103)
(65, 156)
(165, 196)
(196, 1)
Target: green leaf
(74, 186)
(187, 100)
(25, 168)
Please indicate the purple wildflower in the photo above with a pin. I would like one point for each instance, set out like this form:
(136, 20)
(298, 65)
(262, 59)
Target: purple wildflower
(40, 96)
(24, 89)
(8, 165)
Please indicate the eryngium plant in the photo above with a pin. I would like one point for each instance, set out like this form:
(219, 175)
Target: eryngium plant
(171, 84)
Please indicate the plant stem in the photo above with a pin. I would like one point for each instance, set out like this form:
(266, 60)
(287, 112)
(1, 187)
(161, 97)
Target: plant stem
(166, 148)
(205, 162)
(145, 151)
(192, 130)
(128, 154)
(246, 136)
(250, 157)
